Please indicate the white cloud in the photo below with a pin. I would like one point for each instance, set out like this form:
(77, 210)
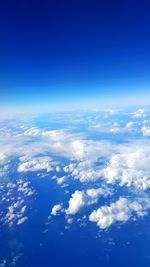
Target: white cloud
(130, 166)
(119, 211)
(82, 199)
(78, 147)
(56, 209)
(70, 220)
(32, 132)
(116, 128)
(25, 189)
(95, 193)
(15, 198)
(140, 113)
(22, 220)
(15, 211)
(76, 202)
(23, 209)
(97, 162)
(129, 125)
(10, 185)
(146, 130)
(2, 158)
(61, 180)
(36, 164)
(85, 169)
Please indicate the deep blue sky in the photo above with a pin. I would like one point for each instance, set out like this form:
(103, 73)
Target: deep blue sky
(54, 52)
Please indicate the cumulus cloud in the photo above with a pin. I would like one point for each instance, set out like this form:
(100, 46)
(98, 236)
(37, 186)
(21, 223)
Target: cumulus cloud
(129, 125)
(2, 158)
(116, 128)
(87, 169)
(56, 209)
(58, 139)
(76, 202)
(22, 220)
(140, 113)
(25, 188)
(36, 164)
(61, 180)
(130, 166)
(146, 130)
(90, 158)
(81, 199)
(14, 196)
(125, 164)
(32, 131)
(119, 211)
(70, 220)
(15, 212)
(84, 171)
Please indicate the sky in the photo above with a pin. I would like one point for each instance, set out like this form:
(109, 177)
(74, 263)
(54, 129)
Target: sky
(64, 54)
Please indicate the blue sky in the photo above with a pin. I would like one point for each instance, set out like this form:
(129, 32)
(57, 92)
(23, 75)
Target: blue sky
(74, 53)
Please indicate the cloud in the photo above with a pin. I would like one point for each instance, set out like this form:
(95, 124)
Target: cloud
(2, 158)
(146, 130)
(116, 128)
(56, 209)
(103, 156)
(126, 164)
(61, 180)
(130, 166)
(87, 169)
(22, 220)
(140, 113)
(70, 220)
(76, 202)
(119, 211)
(32, 132)
(129, 125)
(82, 199)
(14, 196)
(36, 164)
(24, 188)
(15, 212)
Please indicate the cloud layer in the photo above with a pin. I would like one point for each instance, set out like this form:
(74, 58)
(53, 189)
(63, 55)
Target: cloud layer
(91, 158)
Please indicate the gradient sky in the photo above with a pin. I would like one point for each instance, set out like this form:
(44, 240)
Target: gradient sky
(63, 53)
